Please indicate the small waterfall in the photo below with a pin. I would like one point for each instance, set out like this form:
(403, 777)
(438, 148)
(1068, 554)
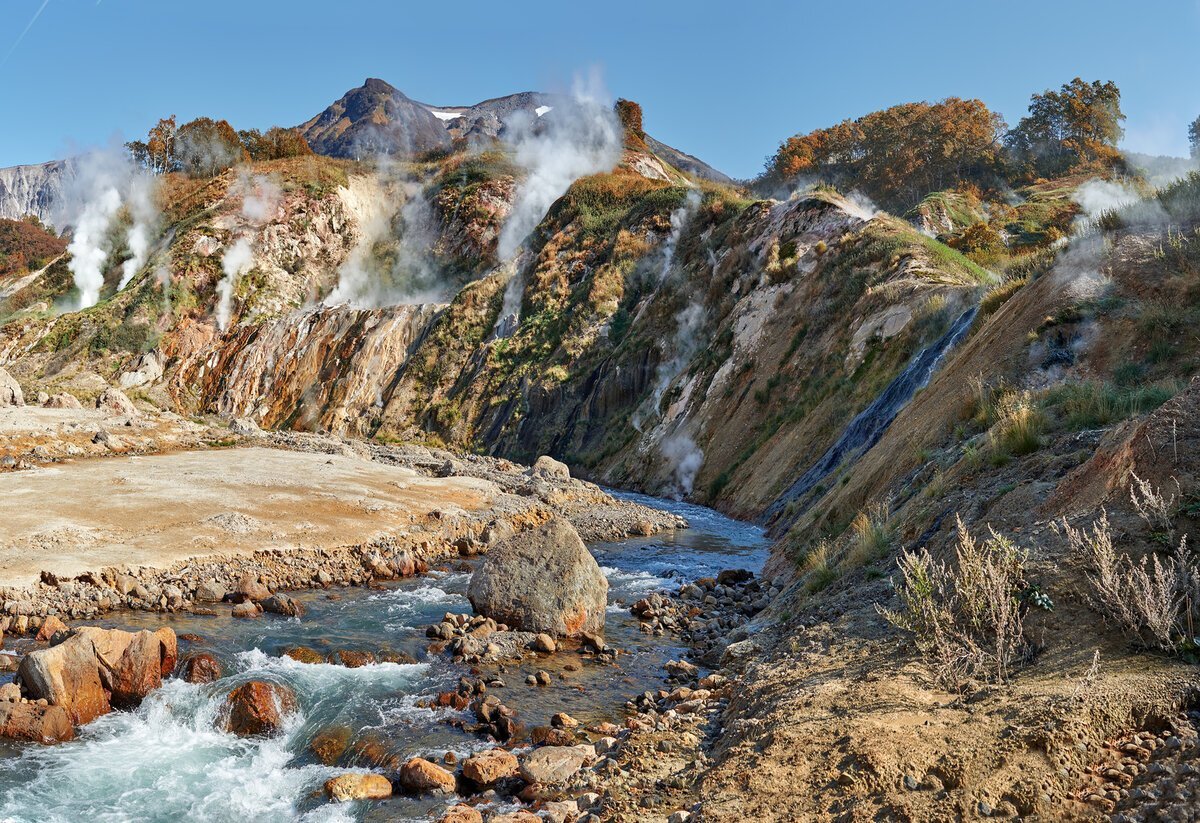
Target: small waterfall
(866, 429)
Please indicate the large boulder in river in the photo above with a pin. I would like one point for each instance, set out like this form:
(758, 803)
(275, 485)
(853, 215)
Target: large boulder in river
(420, 776)
(355, 786)
(543, 580)
(10, 390)
(96, 669)
(258, 708)
(39, 724)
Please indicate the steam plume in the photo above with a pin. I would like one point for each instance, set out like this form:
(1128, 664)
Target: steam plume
(103, 182)
(580, 136)
(260, 200)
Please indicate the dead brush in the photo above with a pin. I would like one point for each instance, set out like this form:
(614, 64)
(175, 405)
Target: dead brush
(1153, 601)
(968, 619)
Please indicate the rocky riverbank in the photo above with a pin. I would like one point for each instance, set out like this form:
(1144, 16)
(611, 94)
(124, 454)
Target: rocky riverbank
(273, 512)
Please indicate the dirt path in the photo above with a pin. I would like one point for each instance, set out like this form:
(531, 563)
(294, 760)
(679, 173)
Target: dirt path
(156, 510)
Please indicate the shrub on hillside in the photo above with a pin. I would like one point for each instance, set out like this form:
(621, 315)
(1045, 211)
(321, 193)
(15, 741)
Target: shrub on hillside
(968, 619)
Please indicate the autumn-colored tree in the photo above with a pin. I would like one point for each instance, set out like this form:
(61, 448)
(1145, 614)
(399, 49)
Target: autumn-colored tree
(1079, 123)
(1194, 137)
(27, 245)
(157, 153)
(205, 147)
(275, 144)
(630, 115)
(897, 155)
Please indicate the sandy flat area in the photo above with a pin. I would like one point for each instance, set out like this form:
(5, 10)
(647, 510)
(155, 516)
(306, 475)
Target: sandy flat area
(154, 510)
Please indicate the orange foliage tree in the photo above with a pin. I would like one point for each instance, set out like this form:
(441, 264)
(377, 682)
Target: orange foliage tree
(900, 154)
(275, 144)
(1078, 124)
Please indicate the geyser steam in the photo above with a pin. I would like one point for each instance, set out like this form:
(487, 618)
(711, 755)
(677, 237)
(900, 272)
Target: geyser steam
(105, 180)
(260, 200)
(580, 136)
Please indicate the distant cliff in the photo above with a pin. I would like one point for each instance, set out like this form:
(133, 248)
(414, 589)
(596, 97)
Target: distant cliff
(35, 189)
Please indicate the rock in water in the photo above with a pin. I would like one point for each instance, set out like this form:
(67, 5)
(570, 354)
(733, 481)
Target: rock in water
(421, 776)
(258, 708)
(488, 767)
(202, 668)
(544, 580)
(461, 813)
(353, 786)
(39, 724)
(95, 669)
(10, 390)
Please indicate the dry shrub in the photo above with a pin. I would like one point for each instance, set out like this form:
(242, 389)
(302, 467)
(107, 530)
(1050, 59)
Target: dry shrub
(1152, 601)
(871, 538)
(967, 619)
(1019, 425)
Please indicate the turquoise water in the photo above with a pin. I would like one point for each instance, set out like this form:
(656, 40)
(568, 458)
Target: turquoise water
(167, 761)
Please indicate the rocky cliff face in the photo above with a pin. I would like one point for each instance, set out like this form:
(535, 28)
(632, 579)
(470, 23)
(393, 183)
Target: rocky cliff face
(36, 190)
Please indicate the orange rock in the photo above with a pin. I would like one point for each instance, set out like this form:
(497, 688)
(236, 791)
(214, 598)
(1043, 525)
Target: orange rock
(40, 724)
(353, 786)
(461, 813)
(51, 628)
(420, 776)
(491, 766)
(258, 708)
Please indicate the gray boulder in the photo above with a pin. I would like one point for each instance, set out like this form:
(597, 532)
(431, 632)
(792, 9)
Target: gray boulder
(10, 390)
(543, 580)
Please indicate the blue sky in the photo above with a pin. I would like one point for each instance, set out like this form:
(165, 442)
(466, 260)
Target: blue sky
(724, 81)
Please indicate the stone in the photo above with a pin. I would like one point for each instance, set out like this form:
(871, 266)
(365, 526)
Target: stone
(66, 675)
(282, 604)
(249, 609)
(330, 744)
(133, 664)
(62, 401)
(423, 777)
(548, 468)
(50, 629)
(10, 390)
(35, 723)
(560, 811)
(550, 736)
(114, 402)
(10, 693)
(515, 817)
(303, 654)
(209, 591)
(258, 708)
(249, 588)
(545, 644)
(486, 768)
(202, 668)
(543, 580)
(562, 720)
(148, 368)
(352, 659)
(553, 764)
(355, 786)
(461, 813)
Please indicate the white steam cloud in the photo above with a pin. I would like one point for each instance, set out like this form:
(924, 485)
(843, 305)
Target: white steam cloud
(582, 135)
(260, 201)
(105, 180)
(685, 458)
(144, 212)
(414, 277)
(1098, 196)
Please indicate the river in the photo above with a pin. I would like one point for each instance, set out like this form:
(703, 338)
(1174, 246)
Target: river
(167, 761)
